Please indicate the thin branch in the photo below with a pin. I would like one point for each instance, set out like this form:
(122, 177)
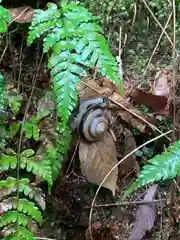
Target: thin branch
(122, 160)
(126, 203)
(160, 25)
(44, 238)
(174, 68)
(157, 44)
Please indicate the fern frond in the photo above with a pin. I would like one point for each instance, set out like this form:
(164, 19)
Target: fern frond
(5, 18)
(9, 231)
(76, 44)
(28, 162)
(43, 21)
(11, 217)
(161, 167)
(23, 206)
(55, 155)
(9, 186)
(31, 164)
(23, 233)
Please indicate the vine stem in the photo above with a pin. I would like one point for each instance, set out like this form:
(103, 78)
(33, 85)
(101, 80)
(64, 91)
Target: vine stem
(160, 25)
(157, 44)
(174, 68)
(122, 160)
(126, 203)
(20, 143)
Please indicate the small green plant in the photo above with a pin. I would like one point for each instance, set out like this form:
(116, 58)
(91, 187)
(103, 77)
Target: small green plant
(74, 43)
(21, 202)
(160, 167)
(5, 18)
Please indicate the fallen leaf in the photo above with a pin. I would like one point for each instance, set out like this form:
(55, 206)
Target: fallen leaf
(104, 88)
(161, 86)
(22, 14)
(130, 163)
(97, 159)
(127, 113)
(145, 216)
(156, 103)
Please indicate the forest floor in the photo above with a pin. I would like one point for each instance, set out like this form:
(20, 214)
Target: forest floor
(68, 207)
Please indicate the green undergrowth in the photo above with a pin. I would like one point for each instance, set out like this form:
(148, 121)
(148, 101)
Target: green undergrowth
(74, 44)
(139, 31)
(160, 168)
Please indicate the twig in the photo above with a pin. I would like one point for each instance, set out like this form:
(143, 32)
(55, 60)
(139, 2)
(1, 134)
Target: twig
(164, 31)
(174, 68)
(18, 16)
(125, 203)
(21, 62)
(135, 13)
(157, 44)
(177, 186)
(122, 160)
(161, 217)
(73, 156)
(128, 110)
(44, 238)
(5, 49)
(27, 86)
(21, 140)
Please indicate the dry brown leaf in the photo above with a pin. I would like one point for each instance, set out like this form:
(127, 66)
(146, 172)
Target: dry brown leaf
(22, 14)
(104, 88)
(161, 86)
(157, 104)
(127, 116)
(145, 215)
(97, 159)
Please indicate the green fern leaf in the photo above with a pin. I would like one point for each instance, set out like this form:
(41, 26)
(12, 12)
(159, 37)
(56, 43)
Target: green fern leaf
(7, 162)
(5, 18)
(76, 42)
(31, 131)
(31, 128)
(28, 162)
(23, 233)
(14, 101)
(41, 16)
(161, 167)
(66, 93)
(38, 30)
(9, 186)
(55, 154)
(76, 13)
(11, 217)
(22, 205)
(10, 230)
(13, 129)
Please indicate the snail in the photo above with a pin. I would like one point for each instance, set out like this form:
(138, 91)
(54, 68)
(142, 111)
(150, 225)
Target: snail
(92, 120)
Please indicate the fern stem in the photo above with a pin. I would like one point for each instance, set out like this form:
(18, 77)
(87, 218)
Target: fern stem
(20, 143)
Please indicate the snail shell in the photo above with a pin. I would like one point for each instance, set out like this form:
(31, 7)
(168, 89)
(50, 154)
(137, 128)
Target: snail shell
(94, 124)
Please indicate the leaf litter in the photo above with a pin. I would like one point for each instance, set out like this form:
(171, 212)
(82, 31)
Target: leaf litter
(68, 217)
(118, 222)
